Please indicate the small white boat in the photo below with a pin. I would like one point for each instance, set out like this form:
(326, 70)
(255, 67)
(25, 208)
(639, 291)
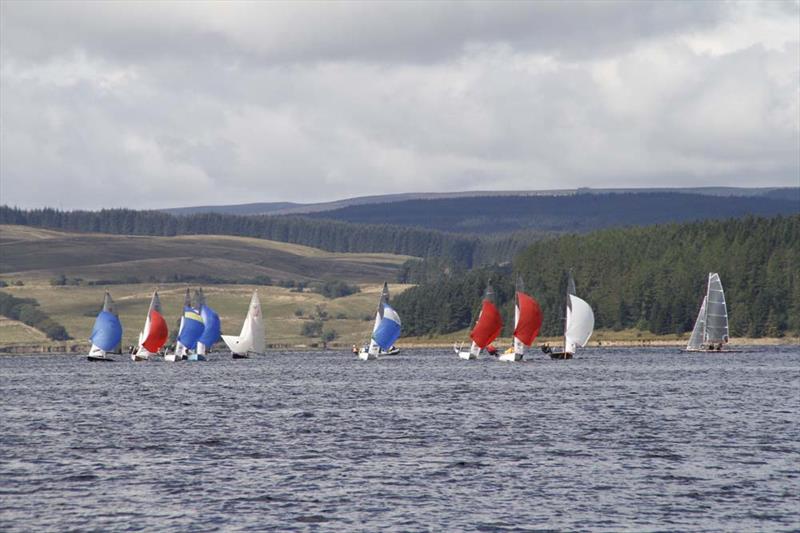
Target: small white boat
(578, 325)
(527, 322)
(710, 330)
(251, 340)
(487, 327)
(385, 330)
(106, 334)
(154, 334)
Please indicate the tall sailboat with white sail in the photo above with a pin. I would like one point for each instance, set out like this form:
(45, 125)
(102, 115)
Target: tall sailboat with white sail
(578, 324)
(385, 330)
(527, 322)
(155, 331)
(106, 334)
(710, 331)
(487, 327)
(251, 340)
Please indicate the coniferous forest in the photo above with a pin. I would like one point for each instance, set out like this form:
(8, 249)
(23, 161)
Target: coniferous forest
(650, 278)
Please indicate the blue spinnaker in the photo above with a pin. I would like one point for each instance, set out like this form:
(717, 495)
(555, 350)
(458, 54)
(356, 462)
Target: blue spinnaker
(388, 330)
(212, 327)
(192, 328)
(107, 331)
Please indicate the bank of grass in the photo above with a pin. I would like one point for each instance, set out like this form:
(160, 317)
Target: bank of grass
(75, 307)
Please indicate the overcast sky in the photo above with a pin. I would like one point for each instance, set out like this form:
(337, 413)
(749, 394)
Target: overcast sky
(171, 104)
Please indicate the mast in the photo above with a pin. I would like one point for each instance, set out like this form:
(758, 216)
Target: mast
(568, 312)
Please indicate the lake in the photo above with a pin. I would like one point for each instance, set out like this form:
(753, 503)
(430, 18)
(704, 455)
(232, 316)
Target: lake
(616, 439)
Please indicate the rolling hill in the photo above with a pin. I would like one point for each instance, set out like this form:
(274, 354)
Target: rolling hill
(34, 253)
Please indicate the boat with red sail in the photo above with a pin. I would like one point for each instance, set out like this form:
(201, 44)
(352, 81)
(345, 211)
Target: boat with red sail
(487, 327)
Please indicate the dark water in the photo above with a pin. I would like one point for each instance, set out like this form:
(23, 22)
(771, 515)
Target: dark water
(624, 439)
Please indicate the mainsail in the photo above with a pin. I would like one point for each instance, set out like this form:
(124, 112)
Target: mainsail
(489, 323)
(155, 331)
(711, 326)
(107, 331)
(251, 339)
(716, 311)
(527, 319)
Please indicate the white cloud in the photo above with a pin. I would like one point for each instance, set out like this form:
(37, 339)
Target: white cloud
(155, 105)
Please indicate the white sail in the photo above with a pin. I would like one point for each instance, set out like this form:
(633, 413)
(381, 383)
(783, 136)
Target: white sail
(580, 324)
(519, 346)
(252, 337)
(699, 331)
(716, 317)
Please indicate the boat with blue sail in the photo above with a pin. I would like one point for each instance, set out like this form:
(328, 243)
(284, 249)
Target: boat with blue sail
(189, 331)
(211, 328)
(385, 331)
(106, 334)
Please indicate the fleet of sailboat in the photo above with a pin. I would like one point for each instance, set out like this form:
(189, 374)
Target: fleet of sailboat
(487, 327)
(200, 328)
(710, 330)
(251, 340)
(385, 331)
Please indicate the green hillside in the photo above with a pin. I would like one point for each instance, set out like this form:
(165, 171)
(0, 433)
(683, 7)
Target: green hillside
(650, 278)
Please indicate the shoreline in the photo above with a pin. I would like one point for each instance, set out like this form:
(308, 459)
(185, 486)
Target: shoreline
(73, 347)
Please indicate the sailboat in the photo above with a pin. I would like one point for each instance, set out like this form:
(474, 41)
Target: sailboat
(251, 339)
(155, 332)
(527, 322)
(190, 329)
(106, 334)
(711, 327)
(211, 328)
(385, 331)
(487, 327)
(578, 326)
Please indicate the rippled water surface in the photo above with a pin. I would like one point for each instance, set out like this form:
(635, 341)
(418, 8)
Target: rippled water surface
(625, 439)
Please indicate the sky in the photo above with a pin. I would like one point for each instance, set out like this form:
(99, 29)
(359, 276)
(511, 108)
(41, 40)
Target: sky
(152, 105)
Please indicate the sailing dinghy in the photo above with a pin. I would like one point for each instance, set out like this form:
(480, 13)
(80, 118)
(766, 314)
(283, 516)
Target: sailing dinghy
(190, 329)
(154, 334)
(385, 331)
(711, 327)
(251, 339)
(211, 328)
(487, 327)
(527, 322)
(578, 326)
(106, 334)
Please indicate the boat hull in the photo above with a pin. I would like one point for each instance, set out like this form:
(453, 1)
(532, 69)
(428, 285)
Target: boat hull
(196, 357)
(366, 356)
(99, 359)
(560, 355)
(172, 357)
(240, 355)
(467, 355)
(510, 357)
(138, 358)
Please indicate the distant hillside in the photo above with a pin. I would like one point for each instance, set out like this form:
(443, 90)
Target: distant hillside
(289, 208)
(44, 254)
(559, 214)
(650, 278)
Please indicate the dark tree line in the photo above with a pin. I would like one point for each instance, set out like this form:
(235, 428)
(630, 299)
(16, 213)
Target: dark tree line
(27, 311)
(651, 278)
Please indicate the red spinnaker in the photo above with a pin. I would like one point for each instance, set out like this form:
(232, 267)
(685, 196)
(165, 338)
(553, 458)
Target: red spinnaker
(530, 319)
(158, 333)
(489, 325)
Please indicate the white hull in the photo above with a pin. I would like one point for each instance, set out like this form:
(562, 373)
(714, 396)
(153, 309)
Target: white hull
(172, 357)
(366, 356)
(510, 357)
(140, 357)
(467, 355)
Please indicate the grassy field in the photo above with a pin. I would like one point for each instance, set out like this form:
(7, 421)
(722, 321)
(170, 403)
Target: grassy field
(37, 254)
(76, 307)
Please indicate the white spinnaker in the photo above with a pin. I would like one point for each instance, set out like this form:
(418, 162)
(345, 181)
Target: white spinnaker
(699, 331)
(251, 339)
(580, 324)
